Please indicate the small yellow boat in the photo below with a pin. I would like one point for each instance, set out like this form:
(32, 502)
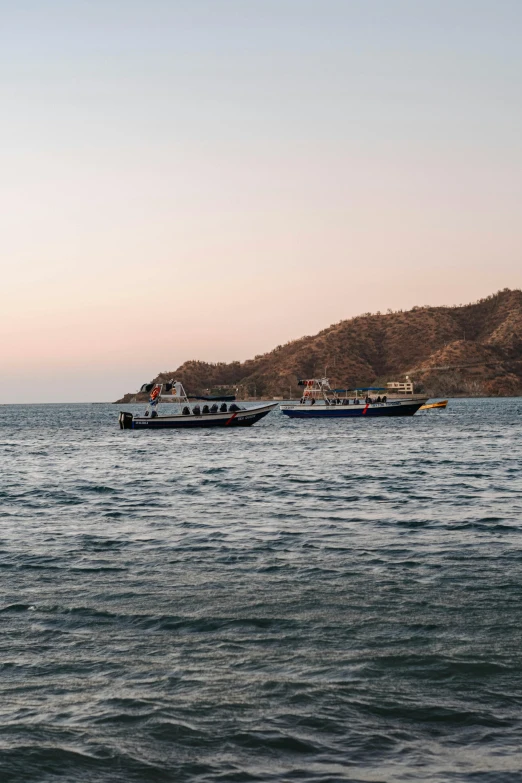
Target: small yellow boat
(441, 404)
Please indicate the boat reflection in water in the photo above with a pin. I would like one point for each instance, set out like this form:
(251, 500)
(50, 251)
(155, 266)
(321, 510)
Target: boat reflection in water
(320, 401)
(187, 415)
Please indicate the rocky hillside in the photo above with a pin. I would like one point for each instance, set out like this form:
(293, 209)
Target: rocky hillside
(473, 349)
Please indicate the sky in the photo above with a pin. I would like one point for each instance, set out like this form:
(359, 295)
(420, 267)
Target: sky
(207, 179)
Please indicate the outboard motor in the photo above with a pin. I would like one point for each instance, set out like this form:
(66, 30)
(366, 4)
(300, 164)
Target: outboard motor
(125, 420)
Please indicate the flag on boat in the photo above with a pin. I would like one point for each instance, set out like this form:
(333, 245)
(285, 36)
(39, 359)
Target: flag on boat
(155, 392)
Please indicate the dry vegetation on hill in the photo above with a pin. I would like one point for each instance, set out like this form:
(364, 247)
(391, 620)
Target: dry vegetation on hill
(473, 349)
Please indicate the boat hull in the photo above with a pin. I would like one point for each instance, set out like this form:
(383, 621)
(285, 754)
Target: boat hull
(431, 405)
(398, 408)
(241, 418)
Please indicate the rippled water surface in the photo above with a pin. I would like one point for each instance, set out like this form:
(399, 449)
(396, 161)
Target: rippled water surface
(297, 601)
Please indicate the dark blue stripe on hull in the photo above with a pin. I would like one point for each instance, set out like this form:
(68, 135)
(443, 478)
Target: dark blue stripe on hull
(354, 412)
(193, 422)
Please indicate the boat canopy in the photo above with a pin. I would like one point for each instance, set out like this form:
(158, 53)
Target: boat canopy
(177, 391)
(361, 388)
(213, 397)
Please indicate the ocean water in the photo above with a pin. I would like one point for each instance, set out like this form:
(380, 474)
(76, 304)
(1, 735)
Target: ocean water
(297, 601)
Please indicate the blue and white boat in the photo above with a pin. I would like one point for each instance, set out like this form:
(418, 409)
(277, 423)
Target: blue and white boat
(320, 401)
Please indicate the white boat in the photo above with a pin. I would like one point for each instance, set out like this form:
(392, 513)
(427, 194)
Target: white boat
(189, 415)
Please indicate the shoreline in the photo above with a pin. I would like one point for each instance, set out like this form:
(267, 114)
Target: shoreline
(261, 399)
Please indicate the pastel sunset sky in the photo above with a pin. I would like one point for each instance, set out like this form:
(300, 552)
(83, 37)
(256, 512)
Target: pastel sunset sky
(210, 178)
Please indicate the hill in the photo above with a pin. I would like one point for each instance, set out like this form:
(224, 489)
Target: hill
(473, 349)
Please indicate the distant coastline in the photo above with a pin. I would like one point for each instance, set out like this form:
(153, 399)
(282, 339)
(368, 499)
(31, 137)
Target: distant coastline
(472, 350)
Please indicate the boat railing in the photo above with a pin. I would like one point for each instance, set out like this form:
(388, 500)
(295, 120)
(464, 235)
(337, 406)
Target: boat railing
(319, 389)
